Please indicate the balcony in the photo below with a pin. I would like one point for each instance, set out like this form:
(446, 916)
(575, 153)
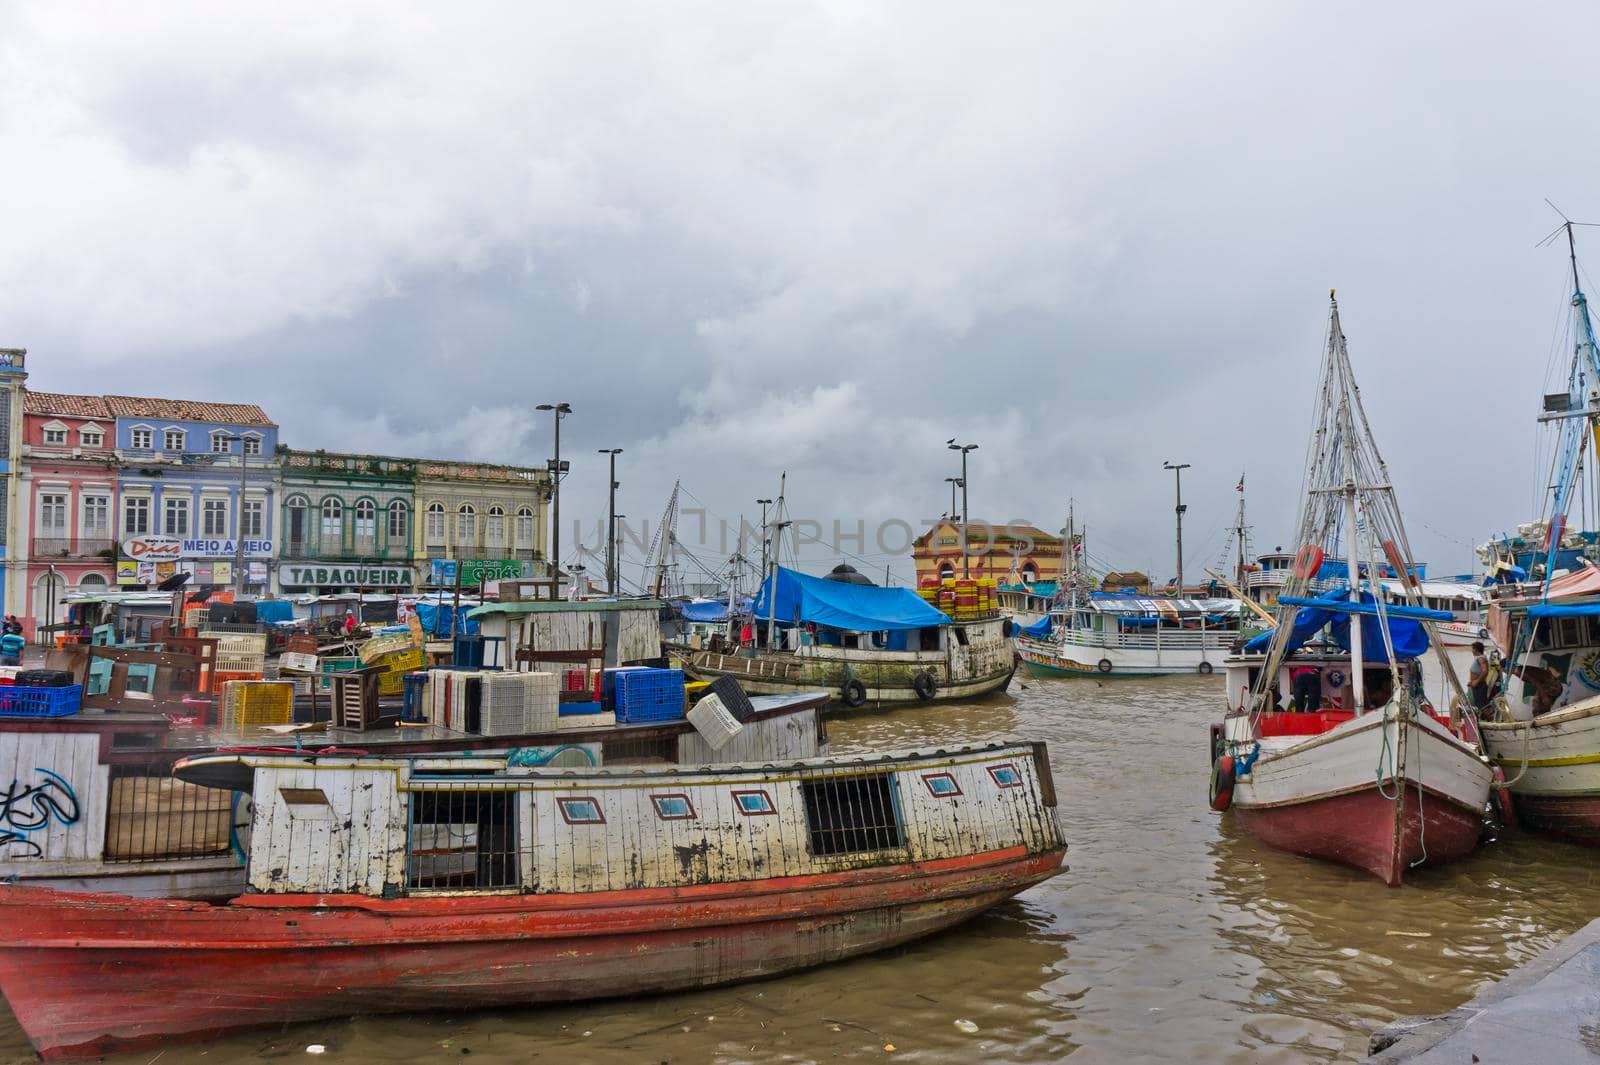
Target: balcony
(311, 551)
(46, 547)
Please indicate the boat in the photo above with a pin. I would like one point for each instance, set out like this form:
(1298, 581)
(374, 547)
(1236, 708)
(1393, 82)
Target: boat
(1545, 618)
(399, 885)
(1117, 634)
(1366, 770)
(865, 644)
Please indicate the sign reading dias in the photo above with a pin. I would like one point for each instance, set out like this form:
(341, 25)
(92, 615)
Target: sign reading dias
(153, 548)
(295, 575)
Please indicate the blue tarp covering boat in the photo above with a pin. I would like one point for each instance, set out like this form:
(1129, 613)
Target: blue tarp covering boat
(1333, 612)
(435, 620)
(854, 607)
(1039, 630)
(1557, 610)
(273, 611)
(710, 610)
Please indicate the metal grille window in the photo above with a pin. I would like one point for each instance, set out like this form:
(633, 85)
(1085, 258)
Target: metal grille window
(214, 517)
(136, 515)
(852, 814)
(53, 514)
(461, 839)
(177, 512)
(153, 815)
(252, 516)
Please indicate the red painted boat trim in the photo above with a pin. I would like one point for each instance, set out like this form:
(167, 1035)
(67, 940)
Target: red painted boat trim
(1575, 818)
(86, 974)
(1357, 829)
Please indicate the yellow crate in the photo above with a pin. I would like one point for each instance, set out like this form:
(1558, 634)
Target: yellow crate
(407, 661)
(391, 683)
(379, 646)
(256, 702)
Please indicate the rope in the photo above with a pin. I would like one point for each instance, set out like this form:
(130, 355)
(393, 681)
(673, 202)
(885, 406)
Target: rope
(1386, 753)
(1527, 731)
(1422, 821)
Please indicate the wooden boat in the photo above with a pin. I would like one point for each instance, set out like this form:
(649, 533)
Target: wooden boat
(868, 646)
(402, 885)
(1552, 768)
(92, 805)
(1364, 771)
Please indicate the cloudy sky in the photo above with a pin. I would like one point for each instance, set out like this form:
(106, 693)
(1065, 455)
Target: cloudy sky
(743, 238)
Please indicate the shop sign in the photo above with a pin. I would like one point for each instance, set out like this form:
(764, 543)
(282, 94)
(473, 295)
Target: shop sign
(478, 570)
(153, 548)
(131, 571)
(296, 575)
(224, 548)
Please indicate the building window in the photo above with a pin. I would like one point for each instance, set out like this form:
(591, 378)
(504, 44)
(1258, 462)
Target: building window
(466, 524)
(495, 527)
(524, 527)
(214, 517)
(136, 515)
(252, 445)
(139, 439)
(436, 523)
(91, 437)
(397, 522)
(220, 444)
(332, 522)
(253, 515)
(177, 514)
(299, 526)
(172, 440)
(97, 516)
(55, 436)
(53, 514)
(366, 523)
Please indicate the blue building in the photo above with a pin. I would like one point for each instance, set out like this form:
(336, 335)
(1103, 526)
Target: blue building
(195, 477)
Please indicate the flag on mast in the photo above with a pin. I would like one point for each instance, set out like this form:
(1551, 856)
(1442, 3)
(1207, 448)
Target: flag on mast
(1240, 486)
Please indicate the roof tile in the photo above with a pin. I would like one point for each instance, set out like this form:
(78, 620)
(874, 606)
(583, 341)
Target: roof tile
(62, 403)
(187, 410)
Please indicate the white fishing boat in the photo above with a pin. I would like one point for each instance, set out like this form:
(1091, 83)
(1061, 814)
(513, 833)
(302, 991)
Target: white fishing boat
(1367, 770)
(1545, 732)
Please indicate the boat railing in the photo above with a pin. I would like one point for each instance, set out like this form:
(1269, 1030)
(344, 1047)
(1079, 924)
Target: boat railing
(760, 666)
(152, 815)
(1164, 639)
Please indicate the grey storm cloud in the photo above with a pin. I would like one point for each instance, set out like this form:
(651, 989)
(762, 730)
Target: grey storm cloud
(822, 238)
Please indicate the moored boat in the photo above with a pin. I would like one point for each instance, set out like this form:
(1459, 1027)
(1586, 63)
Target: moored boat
(1363, 770)
(391, 885)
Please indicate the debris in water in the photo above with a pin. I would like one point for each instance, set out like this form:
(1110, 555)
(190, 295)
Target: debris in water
(316, 1048)
(966, 1026)
(888, 1048)
(1409, 935)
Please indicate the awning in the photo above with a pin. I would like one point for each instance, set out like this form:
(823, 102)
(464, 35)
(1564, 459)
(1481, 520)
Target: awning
(854, 607)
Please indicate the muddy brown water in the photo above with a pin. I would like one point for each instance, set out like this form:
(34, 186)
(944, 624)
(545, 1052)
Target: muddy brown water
(1171, 937)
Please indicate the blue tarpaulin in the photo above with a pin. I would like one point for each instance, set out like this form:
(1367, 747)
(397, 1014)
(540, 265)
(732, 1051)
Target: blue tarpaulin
(853, 607)
(272, 611)
(435, 619)
(710, 610)
(1334, 610)
(1039, 630)
(1556, 610)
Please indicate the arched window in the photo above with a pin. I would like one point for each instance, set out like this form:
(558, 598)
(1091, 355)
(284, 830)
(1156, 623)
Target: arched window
(947, 571)
(466, 524)
(298, 528)
(399, 515)
(332, 522)
(366, 524)
(524, 526)
(494, 532)
(435, 523)
(1030, 573)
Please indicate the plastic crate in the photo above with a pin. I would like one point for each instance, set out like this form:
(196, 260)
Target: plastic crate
(375, 648)
(240, 662)
(391, 683)
(329, 666)
(221, 677)
(650, 695)
(580, 709)
(297, 662)
(406, 661)
(236, 643)
(256, 702)
(415, 689)
(41, 702)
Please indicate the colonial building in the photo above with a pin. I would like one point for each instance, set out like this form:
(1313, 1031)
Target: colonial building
(1010, 553)
(489, 517)
(349, 522)
(194, 477)
(68, 503)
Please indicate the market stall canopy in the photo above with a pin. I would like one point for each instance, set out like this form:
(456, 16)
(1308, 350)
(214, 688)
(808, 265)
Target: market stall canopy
(801, 598)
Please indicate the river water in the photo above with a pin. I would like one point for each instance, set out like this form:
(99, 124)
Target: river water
(1171, 937)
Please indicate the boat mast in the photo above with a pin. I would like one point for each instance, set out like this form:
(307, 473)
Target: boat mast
(1582, 416)
(1357, 672)
(777, 549)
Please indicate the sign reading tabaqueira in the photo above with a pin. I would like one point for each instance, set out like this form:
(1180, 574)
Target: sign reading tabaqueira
(296, 575)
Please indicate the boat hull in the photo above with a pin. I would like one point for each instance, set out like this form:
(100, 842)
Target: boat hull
(1079, 660)
(1374, 793)
(1553, 763)
(748, 672)
(92, 974)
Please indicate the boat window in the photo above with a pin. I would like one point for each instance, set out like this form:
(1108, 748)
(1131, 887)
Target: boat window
(941, 785)
(852, 814)
(1594, 631)
(752, 803)
(462, 839)
(150, 814)
(582, 811)
(1006, 775)
(1541, 634)
(961, 635)
(1568, 634)
(673, 807)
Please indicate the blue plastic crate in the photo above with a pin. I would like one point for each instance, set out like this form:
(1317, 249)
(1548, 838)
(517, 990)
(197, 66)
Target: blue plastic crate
(576, 709)
(41, 702)
(650, 695)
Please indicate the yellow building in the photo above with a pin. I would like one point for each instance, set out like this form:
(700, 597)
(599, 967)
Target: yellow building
(1010, 554)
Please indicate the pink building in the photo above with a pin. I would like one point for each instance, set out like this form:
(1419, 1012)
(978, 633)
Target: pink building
(67, 501)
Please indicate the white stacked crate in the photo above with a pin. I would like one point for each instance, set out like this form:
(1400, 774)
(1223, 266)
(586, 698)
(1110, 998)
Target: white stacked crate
(447, 697)
(520, 703)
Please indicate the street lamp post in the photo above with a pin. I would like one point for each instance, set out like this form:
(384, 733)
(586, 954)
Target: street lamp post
(611, 522)
(954, 483)
(561, 410)
(1177, 469)
(966, 570)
